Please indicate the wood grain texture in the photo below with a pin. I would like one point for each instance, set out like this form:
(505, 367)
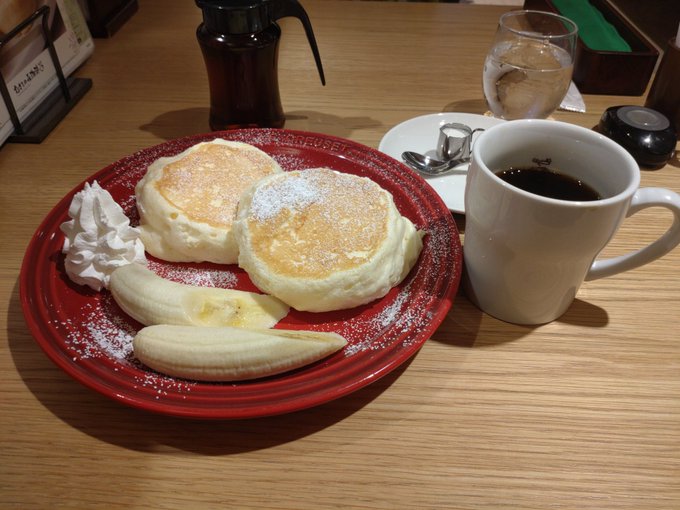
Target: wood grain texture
(582, 413)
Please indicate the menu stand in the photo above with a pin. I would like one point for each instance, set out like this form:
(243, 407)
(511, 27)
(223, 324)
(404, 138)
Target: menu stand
(56, 105)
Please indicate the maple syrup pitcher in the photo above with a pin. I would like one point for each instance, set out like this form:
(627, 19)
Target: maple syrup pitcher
(240, 44)
(543, 198)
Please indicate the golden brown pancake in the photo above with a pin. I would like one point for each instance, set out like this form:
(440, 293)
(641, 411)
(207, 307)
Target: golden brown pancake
(187, 203)
(322, 240)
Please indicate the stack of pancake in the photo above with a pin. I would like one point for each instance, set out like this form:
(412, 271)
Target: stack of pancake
(317, 239)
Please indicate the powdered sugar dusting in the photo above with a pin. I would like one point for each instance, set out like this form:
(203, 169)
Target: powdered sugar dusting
(100, 331)
(390, 313)
(291, 162)
(162, 385)
(397, 320)
(220, 278)
(292, 193)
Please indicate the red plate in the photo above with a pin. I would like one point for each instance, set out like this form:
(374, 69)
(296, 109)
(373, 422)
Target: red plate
(89, 337)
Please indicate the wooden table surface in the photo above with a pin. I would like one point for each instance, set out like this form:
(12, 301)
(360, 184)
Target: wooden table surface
(582, 413)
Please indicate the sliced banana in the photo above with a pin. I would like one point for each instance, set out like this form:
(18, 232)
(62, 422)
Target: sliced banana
(230, 354)
(150, 299)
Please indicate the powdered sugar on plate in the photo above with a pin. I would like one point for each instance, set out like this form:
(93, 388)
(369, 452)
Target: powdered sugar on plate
(292, 193)
(100, 330)
(200, 277)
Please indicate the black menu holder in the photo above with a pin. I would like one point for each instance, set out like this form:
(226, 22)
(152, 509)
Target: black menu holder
(56, 105)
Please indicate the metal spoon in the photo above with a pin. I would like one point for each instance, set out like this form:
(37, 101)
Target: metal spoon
(430, 166)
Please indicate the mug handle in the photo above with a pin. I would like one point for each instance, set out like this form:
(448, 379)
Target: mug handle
(643, 198)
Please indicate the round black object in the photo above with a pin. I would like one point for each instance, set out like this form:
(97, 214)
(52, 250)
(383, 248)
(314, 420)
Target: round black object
(647, 134)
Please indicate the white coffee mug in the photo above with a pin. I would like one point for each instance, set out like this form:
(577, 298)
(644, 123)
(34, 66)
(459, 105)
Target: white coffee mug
(526, 255)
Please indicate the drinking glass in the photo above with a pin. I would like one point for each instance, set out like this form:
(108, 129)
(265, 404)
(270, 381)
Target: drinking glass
(529, 65)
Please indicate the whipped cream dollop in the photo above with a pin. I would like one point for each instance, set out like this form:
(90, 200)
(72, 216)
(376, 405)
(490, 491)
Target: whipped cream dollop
(99, 238)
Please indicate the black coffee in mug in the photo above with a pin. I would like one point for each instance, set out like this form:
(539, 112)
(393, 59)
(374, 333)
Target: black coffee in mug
(544, 181)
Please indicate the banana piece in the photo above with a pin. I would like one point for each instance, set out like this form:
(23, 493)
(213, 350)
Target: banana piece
(230, 354)
(150, 299)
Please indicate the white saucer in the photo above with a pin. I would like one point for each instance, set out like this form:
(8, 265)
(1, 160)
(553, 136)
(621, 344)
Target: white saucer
(421, 134)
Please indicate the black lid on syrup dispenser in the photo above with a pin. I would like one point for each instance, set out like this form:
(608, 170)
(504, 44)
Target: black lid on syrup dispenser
(233, 17)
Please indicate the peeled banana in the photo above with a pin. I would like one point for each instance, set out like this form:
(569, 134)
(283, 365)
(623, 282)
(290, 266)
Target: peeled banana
(150, 299)
(230, 354)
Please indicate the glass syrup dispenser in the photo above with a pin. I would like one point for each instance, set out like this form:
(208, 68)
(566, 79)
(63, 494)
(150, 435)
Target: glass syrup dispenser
(240, 44)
